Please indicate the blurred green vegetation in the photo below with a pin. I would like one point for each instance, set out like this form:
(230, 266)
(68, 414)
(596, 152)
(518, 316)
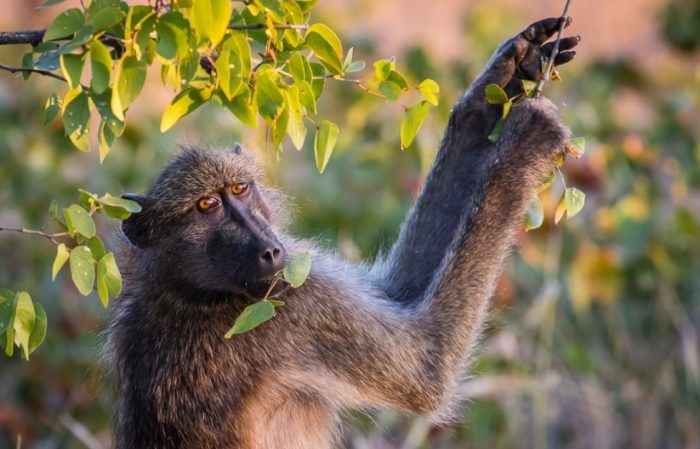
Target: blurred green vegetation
(594, 341)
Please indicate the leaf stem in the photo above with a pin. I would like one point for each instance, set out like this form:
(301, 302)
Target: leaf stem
(555, 51)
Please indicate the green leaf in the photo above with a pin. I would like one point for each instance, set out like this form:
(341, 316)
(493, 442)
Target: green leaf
(300, 69)
(506, 109)
(297, 269)
(324, 142)
(576, 147)
(348, 59)
(38, 329)
(391, 90)
(496, 131)
(76, 117)
(430, 89)
(412, 121)
(82, 269)
(534, 216)
(78, 220)
(72, 68)
(238, 45)
(228, 74)
(268, 97)
(109, 280)
(252, 316)
(62, 254)
(53, 209)
(48, 3)
(105, 139)
(122, 203)
(52, 108)
(23, 321)
(210, 19)
(279, 126)
(7, 308)
(319, 80)
(296, 128)
(240, 106)
(97, 248)
(101, 64)
(107, 18)
(398, 79)
(276, 302)
(306, 96)
(326, 46)
(382, 69)
(575, 199)
(529, 87)
(27, 63)
(184, 103)
(65, 24)
(495, 94)
(173, 34)
(129, 78)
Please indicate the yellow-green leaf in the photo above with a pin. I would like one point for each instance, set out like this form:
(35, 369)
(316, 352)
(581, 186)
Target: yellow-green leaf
(62, 254)
(38, 329)
(82, 269)
(78, 220)
(101, 64)
(76, 117)
(324, 142)
(430, 89)
(495, 94)
(296, 128)
(23, 321)
(184, 103)
(412, 121)
(72, 68)
(129, 78)
(268, 97)
(210, 19)
(240, 107)
(109, 280)
(228, 73)
(52, 108)
(575, 200)
(326, 46)
(560, 210)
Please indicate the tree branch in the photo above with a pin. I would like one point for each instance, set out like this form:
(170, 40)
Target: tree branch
(555, 51)
(12, 69)
(46, 235)
(36, 37)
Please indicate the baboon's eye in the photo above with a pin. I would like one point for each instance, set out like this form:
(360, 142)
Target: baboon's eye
(207, 203)
(239, 188)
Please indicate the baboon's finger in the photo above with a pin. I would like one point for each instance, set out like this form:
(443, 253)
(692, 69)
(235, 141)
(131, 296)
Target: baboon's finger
(566, 43)
(540, 31)
(564, 57)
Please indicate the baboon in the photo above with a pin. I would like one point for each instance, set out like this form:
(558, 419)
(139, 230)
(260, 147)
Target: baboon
(396, 333)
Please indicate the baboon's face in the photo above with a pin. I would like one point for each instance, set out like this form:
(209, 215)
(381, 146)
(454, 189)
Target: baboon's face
(207, 227)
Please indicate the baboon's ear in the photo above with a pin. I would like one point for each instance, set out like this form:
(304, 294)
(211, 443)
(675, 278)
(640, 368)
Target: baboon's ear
(137, 227)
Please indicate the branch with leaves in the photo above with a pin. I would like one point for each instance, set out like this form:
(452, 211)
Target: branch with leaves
(255, 58)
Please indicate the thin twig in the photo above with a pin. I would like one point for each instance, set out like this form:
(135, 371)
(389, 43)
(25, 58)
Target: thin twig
(46, 235)
(555, 51)
(36, 37)
(262, 26)
(12, 69)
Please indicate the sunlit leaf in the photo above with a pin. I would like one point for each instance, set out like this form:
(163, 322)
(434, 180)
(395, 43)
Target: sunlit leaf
(382, 69)
(109, 280)
(412, 121)
(296, 128)
(268, 97)
(390, 90)
(107, 17)
(495, 133)
(65, 24)
(173, 32)
(82, 269)
(297, 269)
(52, 108)
(36, 337)
(62, 254)
(495, 94)
(210, 19)
(184, 103)
(430, 89)
(78, 220)
(560, 210)
(252, 316)
(72, 68)
(122, 203)
(23, 321)
(129, 78)
(300, 69)
(324, 142)
(101, 64)
(575, 200)
(240, 106)
(76, 117)
(228, 74)
(326, 46)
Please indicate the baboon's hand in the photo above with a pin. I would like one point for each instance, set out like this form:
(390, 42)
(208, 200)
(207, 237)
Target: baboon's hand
(529, 50)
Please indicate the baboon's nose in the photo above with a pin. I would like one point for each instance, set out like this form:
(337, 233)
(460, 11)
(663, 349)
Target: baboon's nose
(272, 258)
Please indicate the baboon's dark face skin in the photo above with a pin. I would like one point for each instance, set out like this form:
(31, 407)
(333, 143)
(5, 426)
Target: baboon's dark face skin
(211, 237)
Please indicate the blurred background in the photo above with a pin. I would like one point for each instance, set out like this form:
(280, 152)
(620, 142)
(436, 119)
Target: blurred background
(594, 337)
